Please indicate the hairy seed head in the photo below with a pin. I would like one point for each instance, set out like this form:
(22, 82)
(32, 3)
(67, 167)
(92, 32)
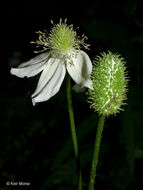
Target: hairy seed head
(109, 84)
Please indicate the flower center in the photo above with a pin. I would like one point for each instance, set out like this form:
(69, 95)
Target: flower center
(62, 38)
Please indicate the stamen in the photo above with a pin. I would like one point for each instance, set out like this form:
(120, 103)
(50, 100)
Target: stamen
(52, 22)
(62, 38)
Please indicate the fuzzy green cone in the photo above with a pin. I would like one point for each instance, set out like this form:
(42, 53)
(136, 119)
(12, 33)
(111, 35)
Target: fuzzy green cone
(109, 84)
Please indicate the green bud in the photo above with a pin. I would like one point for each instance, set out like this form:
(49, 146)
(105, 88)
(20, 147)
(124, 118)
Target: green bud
(109, 84)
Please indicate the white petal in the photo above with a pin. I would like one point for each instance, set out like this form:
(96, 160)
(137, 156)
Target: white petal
(80, 68)
(31, 67)
(46, 75)
(78, 88)
(50, 86)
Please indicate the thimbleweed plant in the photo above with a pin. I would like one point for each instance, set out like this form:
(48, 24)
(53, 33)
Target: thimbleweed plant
(107, 97)
(107, 83)
(60, 52)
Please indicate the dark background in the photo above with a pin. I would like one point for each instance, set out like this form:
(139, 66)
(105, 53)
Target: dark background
(35, 143)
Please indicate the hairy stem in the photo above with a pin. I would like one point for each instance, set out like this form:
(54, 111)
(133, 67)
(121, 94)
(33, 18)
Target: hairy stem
(96, 151)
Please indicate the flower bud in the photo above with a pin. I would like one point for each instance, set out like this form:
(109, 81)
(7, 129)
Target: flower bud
(109, 84)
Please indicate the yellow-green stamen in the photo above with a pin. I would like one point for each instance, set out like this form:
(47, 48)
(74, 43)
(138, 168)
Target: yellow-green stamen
(61, 39)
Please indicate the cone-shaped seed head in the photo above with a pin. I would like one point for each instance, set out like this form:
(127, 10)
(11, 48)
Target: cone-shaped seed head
(109, 83)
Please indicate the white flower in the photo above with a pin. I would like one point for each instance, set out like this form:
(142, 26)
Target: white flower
(53, 70)
(62, 53)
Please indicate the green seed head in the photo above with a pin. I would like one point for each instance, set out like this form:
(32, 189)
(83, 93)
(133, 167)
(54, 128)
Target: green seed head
(61, 39)
(109, 84)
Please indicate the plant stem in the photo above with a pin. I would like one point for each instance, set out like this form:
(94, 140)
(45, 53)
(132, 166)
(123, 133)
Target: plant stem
(71, 117)
(73, 131)
(96, 151)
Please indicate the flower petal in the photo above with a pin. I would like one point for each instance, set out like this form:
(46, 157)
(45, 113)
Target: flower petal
(46, 75)
(82, 87)
(31, 67)
(50, 82)
(78, 88)
(79, 67)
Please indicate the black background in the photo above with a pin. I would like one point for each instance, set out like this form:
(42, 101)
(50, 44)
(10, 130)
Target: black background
(35, 144)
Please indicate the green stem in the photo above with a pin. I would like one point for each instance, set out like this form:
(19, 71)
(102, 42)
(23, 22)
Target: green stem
(73, 131)
(71, 117)
(96, 151)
